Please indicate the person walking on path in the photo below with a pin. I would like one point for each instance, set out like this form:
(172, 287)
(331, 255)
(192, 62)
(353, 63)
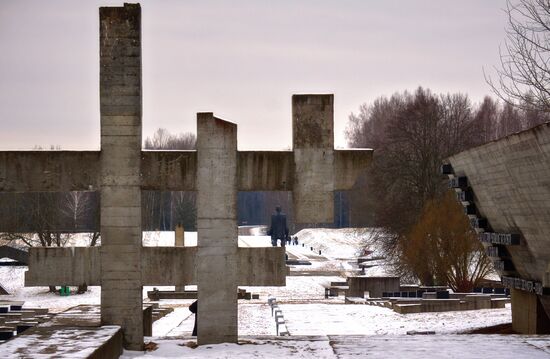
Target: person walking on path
(278, 230)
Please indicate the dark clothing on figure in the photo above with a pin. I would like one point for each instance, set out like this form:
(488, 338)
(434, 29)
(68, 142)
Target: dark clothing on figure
(278, 229)
(194, 309)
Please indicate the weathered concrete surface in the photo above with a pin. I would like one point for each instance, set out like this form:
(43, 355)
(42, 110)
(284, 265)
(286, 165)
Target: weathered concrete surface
(159, 266)
(169, 265)
(313, 146)
(374, 285)
(52, 171)
(265, 171)
(510, 179)
(27, 171)
(63, 266)
(319, 170)
(528, 314)
(217, 230)
(120, 108)
(262, 266)
(169, 170)
(511, 182)
(348, 166)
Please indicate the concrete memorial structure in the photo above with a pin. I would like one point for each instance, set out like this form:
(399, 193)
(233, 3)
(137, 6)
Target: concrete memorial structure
(121, 170)
(504, 186)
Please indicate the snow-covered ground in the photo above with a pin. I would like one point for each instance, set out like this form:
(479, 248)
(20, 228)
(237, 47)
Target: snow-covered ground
(319, 327)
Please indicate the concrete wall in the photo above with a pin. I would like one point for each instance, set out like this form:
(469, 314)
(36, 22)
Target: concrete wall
(510, 180)
(374, 285)
(120, 108)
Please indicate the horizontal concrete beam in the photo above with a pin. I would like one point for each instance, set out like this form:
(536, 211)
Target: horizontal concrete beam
(63, 266)
(265, 170)
(264, 266)
(160, 266)
(168, 265)
(81, 265)
(169, 170)
(58, 171)
(49, 171)
(349, 165)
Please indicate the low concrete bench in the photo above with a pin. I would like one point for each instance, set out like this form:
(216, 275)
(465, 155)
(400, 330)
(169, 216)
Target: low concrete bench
(407, 308)
(355, 300)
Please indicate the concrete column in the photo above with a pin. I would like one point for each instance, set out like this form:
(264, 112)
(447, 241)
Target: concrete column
(179, 236)
(217, 230)
(313, 142)
(120, 101)
(179, 241)
(528, 314)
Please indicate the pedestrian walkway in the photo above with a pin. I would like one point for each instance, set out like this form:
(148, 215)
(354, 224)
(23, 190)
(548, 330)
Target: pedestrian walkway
(456, 346)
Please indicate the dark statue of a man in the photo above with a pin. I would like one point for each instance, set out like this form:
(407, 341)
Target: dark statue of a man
(278, 229)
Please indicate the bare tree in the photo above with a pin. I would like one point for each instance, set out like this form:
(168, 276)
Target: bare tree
(509, 121)
(523, 78)
(164, 140)
(411, 135)
(486, 121)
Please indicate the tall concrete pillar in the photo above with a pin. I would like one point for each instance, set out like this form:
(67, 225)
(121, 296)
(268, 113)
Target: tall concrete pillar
(217, 230)
(120, 102)
(313, 142)
(528, 314)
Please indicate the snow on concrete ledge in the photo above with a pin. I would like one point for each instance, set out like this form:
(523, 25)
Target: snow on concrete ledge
(65, 342)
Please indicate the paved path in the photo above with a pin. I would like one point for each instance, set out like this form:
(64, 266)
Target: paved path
(343, 347)
(441, 346)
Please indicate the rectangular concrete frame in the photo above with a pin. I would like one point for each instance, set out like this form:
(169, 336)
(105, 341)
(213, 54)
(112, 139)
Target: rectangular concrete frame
(121, 170)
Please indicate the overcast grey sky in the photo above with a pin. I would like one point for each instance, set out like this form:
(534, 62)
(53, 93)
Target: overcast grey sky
(240, 59)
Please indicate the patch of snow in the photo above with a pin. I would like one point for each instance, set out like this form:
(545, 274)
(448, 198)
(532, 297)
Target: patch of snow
(350, 319)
